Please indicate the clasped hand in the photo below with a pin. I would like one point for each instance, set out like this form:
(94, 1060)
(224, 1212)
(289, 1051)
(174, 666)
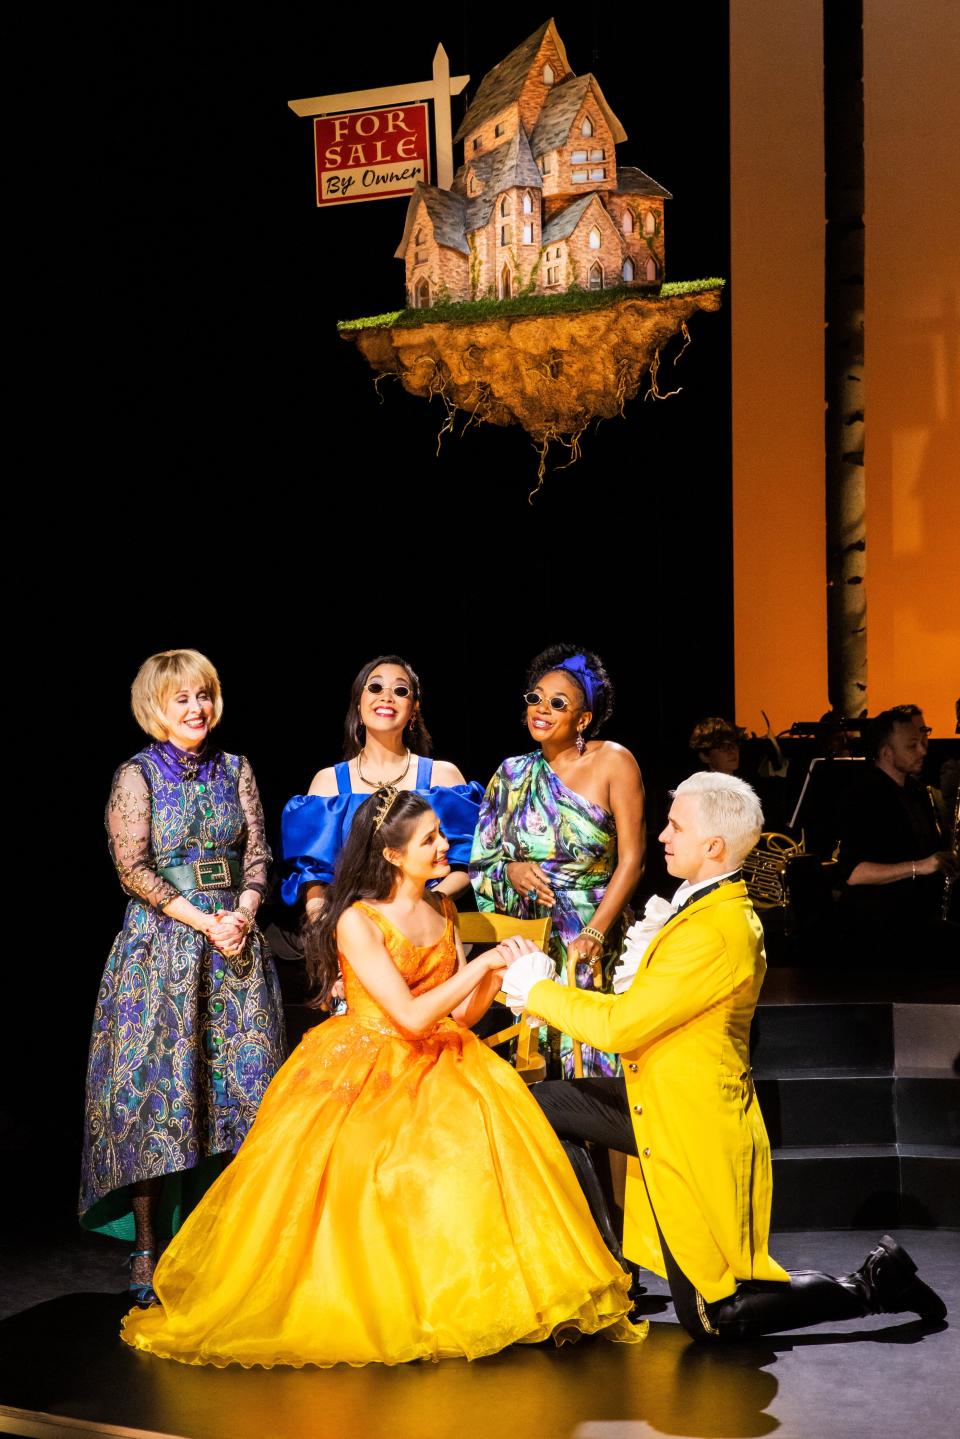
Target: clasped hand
(228, 932)
(508, 951)
(521, 965)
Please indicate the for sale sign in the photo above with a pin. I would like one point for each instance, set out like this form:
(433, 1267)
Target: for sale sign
(371, 154)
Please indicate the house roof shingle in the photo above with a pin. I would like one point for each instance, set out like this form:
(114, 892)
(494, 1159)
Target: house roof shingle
(560, 110)
(501, 86)
(565, 221)
(631, 181)
(447, 212)
(509, 166)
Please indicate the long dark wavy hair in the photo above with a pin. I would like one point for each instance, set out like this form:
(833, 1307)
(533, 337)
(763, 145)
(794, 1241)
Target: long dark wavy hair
(416, 736)
(603, 694)
(362, 873)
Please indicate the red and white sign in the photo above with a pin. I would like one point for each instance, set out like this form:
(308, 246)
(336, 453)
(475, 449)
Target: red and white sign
(371, 154)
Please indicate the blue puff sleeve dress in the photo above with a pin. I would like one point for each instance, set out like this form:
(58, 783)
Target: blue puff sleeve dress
(314, 827)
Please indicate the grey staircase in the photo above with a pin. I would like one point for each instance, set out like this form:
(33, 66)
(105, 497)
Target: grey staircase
(862, 1105)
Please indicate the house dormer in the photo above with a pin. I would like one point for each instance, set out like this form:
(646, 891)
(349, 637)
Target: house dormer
(574, 142)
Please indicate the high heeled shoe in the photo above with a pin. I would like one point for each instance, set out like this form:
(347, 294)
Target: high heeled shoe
(143, 1295)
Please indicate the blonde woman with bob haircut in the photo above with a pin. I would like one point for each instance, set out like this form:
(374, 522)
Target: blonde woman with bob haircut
(188, 1027)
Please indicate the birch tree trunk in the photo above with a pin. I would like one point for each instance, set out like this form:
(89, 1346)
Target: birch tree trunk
(845, 400)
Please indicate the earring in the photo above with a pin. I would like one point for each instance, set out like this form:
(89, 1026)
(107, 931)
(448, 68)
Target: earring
(581, 742)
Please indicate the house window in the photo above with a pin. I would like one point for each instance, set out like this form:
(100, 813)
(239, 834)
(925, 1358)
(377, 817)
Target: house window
(504, 206)
(596, 277)
(498, 130)
(597, 155)
(593, 239)
(626, 222)
(420, 257)
(548, 75)
(472, 184)
(553, 274)
(579, 177)
(579, 157)
(528, 234)
(527, 203)
(599, 172)
(628, 270)
(649, 223)
(505, 286)
(651, 271)
(544, 163)
(506, 234)
(421, 295)
(478, 142)
(418, 238)
(586, 129)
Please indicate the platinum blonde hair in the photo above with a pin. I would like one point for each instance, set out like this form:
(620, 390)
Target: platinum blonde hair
(161, 676)
(729, 807)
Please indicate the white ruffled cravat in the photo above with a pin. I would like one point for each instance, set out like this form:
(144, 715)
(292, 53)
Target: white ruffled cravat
(637, 940)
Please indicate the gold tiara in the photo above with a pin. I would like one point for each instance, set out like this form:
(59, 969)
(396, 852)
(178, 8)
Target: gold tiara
(387, 796)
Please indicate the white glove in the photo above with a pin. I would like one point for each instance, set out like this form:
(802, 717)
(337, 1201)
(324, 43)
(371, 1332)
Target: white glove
(523, 974)
(637, 941)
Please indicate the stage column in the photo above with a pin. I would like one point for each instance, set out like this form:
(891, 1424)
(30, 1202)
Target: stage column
(777, 314)
(912, 115)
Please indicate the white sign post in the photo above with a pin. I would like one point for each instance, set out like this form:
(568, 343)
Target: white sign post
(439, 89)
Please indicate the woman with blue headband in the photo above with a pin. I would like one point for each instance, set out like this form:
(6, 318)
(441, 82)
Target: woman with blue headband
(561, 829)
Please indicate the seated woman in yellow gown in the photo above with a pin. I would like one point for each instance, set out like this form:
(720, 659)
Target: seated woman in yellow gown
(400, 1195)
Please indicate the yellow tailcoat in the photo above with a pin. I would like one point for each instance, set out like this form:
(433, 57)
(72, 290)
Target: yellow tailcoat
(683, 1029)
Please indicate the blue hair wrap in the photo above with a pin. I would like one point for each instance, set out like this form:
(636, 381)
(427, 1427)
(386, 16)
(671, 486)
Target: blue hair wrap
(577, 666)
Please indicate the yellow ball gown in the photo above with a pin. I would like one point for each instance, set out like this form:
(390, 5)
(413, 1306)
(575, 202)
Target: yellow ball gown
(397, 1198)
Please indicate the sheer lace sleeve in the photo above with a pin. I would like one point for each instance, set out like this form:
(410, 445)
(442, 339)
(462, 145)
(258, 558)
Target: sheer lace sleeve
(128, 832)
(256, 855)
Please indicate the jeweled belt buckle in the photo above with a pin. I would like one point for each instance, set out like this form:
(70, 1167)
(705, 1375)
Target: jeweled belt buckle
(213, 874)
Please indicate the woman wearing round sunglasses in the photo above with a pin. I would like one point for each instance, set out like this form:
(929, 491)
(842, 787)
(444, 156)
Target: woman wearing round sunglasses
(561, 830)
(385, 742)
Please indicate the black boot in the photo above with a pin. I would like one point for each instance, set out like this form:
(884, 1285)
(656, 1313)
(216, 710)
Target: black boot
(582, 1165)
(768, 1308)
(887, 1283)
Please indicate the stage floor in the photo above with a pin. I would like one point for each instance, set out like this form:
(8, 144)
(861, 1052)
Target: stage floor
(882, 1376)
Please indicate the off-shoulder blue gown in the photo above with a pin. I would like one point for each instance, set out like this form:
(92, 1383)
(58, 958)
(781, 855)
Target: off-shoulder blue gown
(314, 827)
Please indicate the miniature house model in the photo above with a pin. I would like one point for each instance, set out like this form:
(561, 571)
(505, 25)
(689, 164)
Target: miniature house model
(539, 204)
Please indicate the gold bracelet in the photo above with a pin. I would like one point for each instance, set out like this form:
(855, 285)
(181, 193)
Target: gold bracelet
(592, 933)
(248, 915)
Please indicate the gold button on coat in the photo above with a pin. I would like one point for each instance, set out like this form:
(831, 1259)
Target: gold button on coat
(632, 1068)
(646, 1154)
(638, 1109)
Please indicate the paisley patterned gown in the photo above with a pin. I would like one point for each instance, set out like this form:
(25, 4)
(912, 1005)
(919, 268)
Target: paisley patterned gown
(528, 813)
(185, 1040)
(465, 1227)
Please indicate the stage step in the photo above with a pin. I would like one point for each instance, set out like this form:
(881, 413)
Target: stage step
(862, 1105)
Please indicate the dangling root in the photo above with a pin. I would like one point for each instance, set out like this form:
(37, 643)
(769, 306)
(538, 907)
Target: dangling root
(654, 392)
(437, 385)
(387, 375)
(481, 399)
(550, 435)
(626, 385)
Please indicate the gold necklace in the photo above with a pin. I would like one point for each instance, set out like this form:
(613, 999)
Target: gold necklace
(380, 783)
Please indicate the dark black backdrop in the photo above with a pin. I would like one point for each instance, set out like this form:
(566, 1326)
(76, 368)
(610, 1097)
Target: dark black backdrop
(233, 482)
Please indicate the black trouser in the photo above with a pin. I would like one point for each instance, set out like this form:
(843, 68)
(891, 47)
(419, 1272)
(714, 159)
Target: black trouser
(596, 1111)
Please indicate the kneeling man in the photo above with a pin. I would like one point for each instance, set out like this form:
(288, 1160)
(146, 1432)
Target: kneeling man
(699, 1183)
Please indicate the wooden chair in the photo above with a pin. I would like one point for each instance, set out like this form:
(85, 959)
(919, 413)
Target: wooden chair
(491, 929)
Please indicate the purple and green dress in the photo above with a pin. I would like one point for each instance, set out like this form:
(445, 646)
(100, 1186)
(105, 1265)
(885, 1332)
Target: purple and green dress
(185, 1040)
(529, 814)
